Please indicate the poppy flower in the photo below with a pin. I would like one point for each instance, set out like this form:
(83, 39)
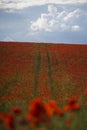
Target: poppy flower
(66, 108)
(37, 112)
(17, 111)
(75, 107)
(59, 112)
(9, 122)
(72, 105)
(73, 100)
(51, 107)
(36, 102)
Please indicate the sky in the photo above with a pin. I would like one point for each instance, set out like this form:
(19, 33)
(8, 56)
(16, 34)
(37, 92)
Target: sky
(53, 21)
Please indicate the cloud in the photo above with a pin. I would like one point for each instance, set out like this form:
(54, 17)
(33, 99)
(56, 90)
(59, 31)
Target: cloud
(54, 20)
(72, 15)
(20, 4)
(76, 28)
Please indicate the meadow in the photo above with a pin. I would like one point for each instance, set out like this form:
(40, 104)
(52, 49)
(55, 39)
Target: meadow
(55, 73)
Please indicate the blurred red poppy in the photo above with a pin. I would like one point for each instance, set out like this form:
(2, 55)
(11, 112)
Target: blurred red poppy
(9, 122)
(16, 110)
(51, 107)
(59, 112)
(72, 105)
(37, 112)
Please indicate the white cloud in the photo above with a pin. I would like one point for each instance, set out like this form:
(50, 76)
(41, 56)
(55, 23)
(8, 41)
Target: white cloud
(40, 24)
(75, 28)
(20, 4)
(52, 9)
(56, 21)
(72, 15)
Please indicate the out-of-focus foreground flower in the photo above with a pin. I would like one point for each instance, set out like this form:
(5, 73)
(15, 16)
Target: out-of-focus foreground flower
(39, 112)
(72, 105)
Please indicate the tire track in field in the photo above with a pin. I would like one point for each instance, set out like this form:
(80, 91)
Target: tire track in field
(37, 70)
(43, 90)
(50, 72)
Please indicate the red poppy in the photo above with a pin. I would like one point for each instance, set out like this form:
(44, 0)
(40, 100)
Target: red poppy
(17, 110)
(75, 107)
(72, 105)
(73, 100)
(66, 108)
(36, 102)
(9, 122)
(37, 112)
(60, 112)
(51, 107)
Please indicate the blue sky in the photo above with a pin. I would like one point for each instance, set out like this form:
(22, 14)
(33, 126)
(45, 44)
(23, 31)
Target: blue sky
(56, 21)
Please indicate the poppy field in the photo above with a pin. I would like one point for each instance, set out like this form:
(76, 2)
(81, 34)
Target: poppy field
(43, 86)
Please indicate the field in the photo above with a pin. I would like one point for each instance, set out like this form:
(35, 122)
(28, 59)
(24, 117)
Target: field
(47, 71)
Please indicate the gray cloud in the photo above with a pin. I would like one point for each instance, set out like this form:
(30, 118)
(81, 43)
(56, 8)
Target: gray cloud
(20, 4)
